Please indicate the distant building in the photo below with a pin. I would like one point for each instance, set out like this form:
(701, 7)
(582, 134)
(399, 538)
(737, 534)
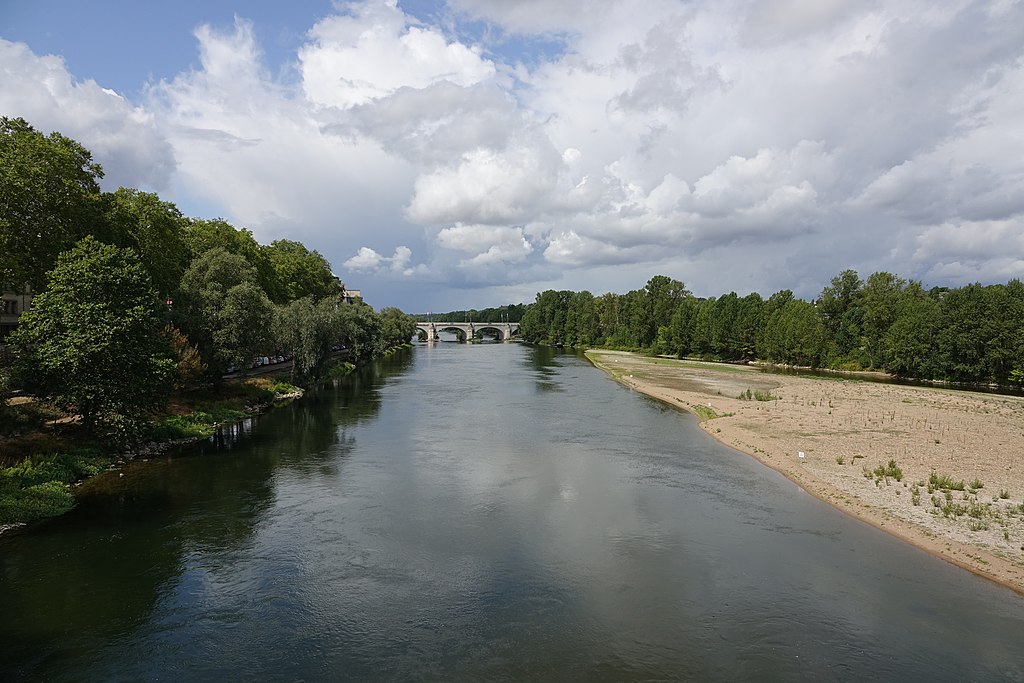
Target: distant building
(12, 305)
(352, 295)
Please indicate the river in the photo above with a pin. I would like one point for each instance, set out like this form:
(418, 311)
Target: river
(481, 512)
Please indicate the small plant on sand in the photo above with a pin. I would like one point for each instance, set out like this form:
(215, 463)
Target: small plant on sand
(884, 472)
(915, 495)
(840, 460)
(944, 482)
(764, 396)
(1004, 494)
(976, 484)
(745, 395)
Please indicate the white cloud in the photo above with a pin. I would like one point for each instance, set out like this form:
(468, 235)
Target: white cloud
(778, 142)
(367, 260)
(122, 137)
(372, 50)
(489, 244)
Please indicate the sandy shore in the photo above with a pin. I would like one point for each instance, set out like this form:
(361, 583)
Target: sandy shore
(847, 429)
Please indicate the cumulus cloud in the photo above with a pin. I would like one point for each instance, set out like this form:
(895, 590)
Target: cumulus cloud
(367, 260)
(254, 149)
(778, 141)
(372, 50)
(489, 244)
(122, 137)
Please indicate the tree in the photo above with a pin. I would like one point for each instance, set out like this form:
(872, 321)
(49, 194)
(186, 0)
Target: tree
(222, 330)
(203, 235)
(880, 299)
(839, 306)
(49, 199)
(306, 330)
(153, 228)
(910, 341)
(301, 272)
(795, 334)
(397, 328)
(92, 341)
(243, 324)
(661, 298)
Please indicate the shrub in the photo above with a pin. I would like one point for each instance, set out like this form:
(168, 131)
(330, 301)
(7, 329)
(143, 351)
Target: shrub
(945, 482)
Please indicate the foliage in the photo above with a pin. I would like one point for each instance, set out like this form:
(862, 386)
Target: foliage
(512, 313)
(971, 334)
(153, 228)
(944, 482)
(35, 488)
(91, 342)
(223, 309)
(300, 272)
(49, 199)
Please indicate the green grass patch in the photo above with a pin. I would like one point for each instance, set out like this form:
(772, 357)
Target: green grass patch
(944, 482)
(36, 488)
(890, 469)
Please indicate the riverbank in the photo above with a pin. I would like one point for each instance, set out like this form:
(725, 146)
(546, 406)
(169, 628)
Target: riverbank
(938, 468)
(39, 469)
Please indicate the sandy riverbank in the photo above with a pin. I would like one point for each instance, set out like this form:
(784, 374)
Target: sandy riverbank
(846, 429)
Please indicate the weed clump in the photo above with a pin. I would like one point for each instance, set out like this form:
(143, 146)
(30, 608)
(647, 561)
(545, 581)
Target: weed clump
(944, 482)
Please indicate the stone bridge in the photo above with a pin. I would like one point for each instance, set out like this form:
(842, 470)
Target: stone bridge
(429, 329)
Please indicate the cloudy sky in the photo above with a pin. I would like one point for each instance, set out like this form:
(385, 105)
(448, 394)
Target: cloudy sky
(472, 152)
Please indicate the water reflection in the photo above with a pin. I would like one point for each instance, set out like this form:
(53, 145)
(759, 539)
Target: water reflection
(448, 516)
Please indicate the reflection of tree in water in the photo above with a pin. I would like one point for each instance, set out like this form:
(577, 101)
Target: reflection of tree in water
(98, 572)
(542, 360)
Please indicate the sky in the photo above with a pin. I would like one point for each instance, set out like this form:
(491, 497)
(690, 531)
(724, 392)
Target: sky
(469, 153)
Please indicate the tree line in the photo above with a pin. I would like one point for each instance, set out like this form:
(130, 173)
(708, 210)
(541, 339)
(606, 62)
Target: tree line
(970, 334)
(512, 313)
(134, 299)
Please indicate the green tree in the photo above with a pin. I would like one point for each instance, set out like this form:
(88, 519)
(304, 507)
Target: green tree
(49, 199)
(305, 330)
(910, 341)
(300, 272)
(243, 327)
(203, 308)
(92, 341)
(880, 298)
(203, 235)
(662, 295)
(839, 306)
(681, 326)
(153, 228)
(397, 328)
(796, 335)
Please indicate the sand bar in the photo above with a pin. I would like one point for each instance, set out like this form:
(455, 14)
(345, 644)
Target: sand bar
(847, 429)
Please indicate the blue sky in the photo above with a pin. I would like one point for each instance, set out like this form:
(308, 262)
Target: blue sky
(448, 154)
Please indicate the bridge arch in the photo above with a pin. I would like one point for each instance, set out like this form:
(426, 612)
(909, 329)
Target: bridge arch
(427, 330)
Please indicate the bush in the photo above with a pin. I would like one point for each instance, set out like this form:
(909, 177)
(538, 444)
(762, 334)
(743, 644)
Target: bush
(35, 488)
(944, 482)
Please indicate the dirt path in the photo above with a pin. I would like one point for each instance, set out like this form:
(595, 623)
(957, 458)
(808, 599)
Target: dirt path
(836, 437)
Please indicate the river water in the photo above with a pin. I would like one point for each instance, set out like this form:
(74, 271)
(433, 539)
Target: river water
(481, 512)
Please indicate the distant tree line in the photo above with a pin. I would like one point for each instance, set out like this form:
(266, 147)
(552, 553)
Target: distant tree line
(512, 313)
(968, 334)
(133, 298)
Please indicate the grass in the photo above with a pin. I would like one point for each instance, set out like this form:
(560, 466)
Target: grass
(944, 482)
(757, 396)
(704, 412)
(36, 487)
(885, 472)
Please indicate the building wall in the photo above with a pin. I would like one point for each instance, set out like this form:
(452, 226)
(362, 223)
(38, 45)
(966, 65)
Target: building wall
(12, 305)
